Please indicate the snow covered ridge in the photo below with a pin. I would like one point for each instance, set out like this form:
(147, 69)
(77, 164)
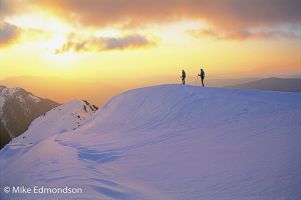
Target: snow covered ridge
(170, 142)
(17, 110)
(63, 118)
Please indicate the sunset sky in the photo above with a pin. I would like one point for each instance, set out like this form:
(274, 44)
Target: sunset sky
(137, 40)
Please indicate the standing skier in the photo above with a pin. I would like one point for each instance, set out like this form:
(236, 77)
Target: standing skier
(183, 76)
(202, 75)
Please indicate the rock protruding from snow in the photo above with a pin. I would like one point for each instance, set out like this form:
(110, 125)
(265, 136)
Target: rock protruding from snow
(66, 117)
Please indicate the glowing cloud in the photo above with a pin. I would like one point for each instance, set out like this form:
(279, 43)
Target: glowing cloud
(98, 44)
(225, 14)
(242, 35)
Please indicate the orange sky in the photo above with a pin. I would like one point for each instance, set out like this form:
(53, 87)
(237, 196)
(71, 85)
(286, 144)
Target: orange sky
(127, 42)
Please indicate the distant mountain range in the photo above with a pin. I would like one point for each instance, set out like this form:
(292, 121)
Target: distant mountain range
(226, 82)
(273, 84)
(18, 108)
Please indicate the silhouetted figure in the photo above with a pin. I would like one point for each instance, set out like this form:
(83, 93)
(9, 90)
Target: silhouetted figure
(202, 75)
(183, 76)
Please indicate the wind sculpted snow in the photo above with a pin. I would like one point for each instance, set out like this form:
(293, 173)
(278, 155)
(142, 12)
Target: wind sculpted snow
(170, 142)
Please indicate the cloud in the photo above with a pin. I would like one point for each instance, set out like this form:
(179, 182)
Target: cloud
(225, 14)
(242, 35)
(99, 44)
(229, 19)
(12, 7)
(5, 9)
(8, 34)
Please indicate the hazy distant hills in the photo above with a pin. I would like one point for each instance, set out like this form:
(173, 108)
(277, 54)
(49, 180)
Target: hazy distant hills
(96, 91)
(273, 84)
(18, 108)
(227, 81)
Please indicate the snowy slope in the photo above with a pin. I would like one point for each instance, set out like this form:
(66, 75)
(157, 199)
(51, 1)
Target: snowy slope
(63, 118)
(170, 142)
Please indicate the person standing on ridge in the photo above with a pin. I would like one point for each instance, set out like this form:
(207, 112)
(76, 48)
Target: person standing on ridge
(183, 76)
(202, 75)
